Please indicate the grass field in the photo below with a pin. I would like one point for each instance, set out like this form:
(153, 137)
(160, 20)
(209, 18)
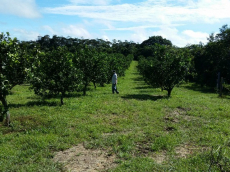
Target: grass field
(143, 129)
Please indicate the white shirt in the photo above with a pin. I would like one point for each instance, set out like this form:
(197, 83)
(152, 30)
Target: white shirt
(114, 78)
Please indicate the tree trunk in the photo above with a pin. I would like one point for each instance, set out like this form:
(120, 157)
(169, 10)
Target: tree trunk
(1, 113)
(1, 116)
(7, 118)
(84, 90)
(5, 111)
(62, 97)
(94, 83)
(169, 92)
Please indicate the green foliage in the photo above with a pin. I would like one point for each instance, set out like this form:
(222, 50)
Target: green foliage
(93, 66)
(219, 158)
(147, 47)
(12, 60)
(167, 142)
(166, 68)
(120, 63)
(97, 66)
(65, 65)
(124, 48)
(212, 58)
(156, 40)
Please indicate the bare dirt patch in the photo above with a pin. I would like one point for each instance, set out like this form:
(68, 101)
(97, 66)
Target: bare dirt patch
(171, 118)
(79, 159)
(177, 114)
(180, 111)
(183, 151)
(144, 149)
(160, 157)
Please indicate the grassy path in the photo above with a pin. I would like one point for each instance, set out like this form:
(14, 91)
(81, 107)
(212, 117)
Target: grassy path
(144, 130)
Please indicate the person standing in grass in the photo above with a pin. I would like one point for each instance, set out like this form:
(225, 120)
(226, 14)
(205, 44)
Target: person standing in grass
(114, 82)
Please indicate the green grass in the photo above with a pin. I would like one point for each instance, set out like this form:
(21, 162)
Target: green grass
(136, 125)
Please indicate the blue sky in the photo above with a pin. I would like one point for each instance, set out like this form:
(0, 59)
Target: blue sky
(182, 22)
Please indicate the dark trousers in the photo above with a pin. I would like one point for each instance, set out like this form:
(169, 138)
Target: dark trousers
(114, 88)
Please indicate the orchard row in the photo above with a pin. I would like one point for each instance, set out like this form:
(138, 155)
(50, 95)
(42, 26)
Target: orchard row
(59, 65)
(56, 66)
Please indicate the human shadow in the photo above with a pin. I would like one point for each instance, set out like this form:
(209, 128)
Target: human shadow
(144, 97)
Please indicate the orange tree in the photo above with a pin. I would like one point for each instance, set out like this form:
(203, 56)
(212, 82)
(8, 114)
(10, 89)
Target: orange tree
(13, 61)
(166, 68)
(93, 65)
(54, 72)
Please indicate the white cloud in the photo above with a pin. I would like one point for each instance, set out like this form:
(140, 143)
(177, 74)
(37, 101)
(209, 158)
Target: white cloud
(183, 38)
(51, 30)
(108, 24)
(195, 37)
(136, 21)
(76, 31)
(90, 2)
(22, 8)
(161, 11)
(177, 38)
(139, 35)
(105, 37)
(141, 27)
(25, 35)
(144, 16)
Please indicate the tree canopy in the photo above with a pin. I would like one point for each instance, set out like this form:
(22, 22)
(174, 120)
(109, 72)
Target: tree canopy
(156, 40)
(166, 68)
(13, 60)
(212, 58)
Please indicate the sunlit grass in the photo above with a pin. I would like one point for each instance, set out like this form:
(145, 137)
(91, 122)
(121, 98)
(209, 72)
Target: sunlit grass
(136, 125)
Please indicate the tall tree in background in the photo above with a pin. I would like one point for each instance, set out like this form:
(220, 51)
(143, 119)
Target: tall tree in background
(146, 48)
(212, 58)
(156, 40)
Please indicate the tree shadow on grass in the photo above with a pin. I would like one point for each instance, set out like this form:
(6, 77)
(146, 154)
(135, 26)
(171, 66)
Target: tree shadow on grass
(34, 103)
(67, 95)
(144, 87)
(26, 123)
(42, 103)
(196, 87)
(144, 97)
(138, 79)
(146, 91)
